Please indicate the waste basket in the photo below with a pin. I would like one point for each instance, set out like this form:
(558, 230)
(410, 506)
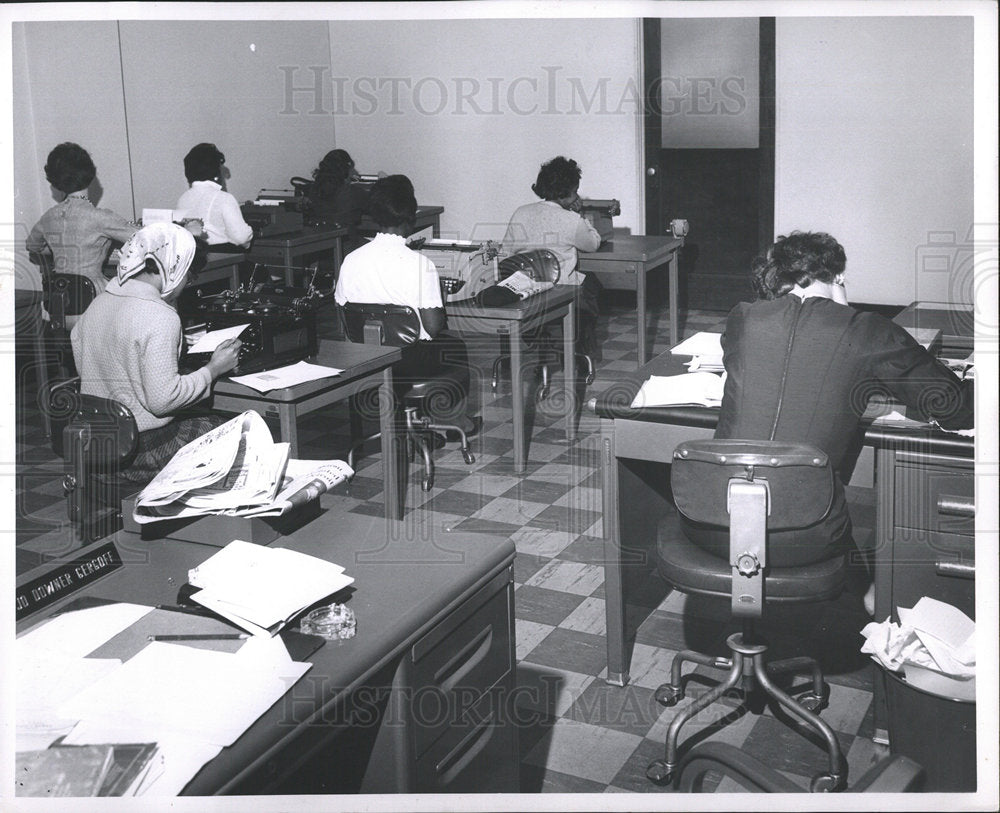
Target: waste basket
(937, 732)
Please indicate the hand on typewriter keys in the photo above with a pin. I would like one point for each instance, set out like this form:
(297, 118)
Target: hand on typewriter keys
(224, 358)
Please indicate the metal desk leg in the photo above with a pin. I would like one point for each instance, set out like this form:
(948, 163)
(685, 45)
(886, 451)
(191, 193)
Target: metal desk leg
(614, 601)
(287, 415)
(672, 264)
(393, 450)
(234, 276)
(517, 399)
(569, 370)
(640, 312)
(289, 273)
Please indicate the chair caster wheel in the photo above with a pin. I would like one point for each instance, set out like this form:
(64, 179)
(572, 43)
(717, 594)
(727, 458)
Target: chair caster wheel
(826, 783)
(659, 772)
(543, 393)
(427, 484)
(468, 456)
(494, 384)
(813, 702)
(667, 695)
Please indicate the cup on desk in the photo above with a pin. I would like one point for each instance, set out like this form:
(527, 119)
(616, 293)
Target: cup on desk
(678, 228)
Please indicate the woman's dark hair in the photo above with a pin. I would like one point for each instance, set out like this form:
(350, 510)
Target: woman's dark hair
(557, 179)
(392, 201)
(69, 168)
(203, 163)
(332, 173)
(798, 259)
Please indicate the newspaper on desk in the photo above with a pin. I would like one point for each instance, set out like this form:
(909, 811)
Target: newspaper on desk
(235, 469)
(524, 286)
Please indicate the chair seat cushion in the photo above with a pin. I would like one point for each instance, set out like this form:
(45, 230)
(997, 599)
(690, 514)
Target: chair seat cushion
(448, 382)
(692, 570)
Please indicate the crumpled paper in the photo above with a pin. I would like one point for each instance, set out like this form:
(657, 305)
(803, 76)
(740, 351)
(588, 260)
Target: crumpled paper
(933, 645)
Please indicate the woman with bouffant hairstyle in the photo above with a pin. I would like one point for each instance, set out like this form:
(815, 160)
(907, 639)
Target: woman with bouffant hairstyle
(801, 363)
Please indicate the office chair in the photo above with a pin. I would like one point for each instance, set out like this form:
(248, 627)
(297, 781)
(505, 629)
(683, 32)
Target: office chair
(748, 490)
(63, 295)
(98, 438)
(896, 774)
(399, 326)
(541, 265)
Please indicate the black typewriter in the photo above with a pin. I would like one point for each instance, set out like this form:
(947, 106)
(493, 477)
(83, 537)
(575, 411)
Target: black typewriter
(281, 325)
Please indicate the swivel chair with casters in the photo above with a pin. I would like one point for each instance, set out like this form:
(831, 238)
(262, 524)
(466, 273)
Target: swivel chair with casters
(399, 326)
(749, 491)
(895, 774)
(543, 266)
(97, 438)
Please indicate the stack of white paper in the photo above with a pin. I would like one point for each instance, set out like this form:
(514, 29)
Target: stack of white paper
(261, 589)
(705, 350)
(689, 389)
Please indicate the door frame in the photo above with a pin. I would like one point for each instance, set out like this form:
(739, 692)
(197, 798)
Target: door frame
(652, 127)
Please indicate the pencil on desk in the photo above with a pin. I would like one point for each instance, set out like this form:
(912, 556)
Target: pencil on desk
(235, 636)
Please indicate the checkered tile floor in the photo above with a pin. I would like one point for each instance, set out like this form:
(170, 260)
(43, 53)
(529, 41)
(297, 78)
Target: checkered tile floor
(579, 734)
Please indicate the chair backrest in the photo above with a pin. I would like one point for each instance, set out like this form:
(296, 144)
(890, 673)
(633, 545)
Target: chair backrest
(540, 264)
(98, 438)
(392, 325)
(751, 488)
(799, 477)
(64, 294)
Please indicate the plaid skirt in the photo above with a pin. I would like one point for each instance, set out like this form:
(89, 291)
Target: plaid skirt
(157, 446)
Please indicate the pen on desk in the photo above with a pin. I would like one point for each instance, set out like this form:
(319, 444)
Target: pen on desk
(182, 608)
(234, 636)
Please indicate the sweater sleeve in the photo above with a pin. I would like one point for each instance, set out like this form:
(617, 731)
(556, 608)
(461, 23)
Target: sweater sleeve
(115, 226)
(163, 389)
(586, 237)
(919, 380)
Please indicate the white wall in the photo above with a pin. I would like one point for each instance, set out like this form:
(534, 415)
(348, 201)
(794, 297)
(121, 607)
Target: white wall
(874, 145)
(461, 128)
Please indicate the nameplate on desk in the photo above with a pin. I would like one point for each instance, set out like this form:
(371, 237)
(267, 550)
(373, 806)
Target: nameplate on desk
(65, 579)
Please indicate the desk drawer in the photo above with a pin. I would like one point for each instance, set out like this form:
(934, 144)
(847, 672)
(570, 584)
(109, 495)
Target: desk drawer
(452, 666)
(479, 754)
(941, 566)
(933, 498)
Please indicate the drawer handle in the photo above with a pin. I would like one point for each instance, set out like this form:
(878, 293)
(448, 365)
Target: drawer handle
(955, 506)
(466, 751)
(467, 658)
(957, 570)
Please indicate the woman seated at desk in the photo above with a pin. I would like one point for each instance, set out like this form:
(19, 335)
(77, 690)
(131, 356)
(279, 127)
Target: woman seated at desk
(76, 234)
(555, 223)
(127, 344)
(208, 201)
(337, 197)
(800, 364)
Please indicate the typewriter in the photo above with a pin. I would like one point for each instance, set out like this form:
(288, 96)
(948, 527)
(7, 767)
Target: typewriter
(274, 212)
(464, 267)
(281, 324)
(599, 214)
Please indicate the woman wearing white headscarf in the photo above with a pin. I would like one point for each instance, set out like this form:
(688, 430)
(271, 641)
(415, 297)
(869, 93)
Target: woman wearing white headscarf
(127, 343)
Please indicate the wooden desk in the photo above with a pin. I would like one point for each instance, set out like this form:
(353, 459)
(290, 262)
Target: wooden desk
(290, 251)
(364, 367)
(221, 265)
(420, 701)
(516, 321)
(917, 470)
(426, 216)
(624, 263)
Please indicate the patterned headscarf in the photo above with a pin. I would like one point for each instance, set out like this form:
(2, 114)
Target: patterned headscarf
(170, 246)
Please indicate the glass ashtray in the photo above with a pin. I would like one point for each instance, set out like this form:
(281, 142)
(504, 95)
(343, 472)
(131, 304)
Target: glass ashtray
(335, 623)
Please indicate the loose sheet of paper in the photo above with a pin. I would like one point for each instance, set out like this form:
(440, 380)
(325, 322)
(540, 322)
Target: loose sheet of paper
(701, 389)
(289, 376)
(702, 343)
(207, 342)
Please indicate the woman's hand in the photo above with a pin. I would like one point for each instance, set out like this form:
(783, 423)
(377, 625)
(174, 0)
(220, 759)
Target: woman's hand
(194, 225)
(224, 358)
(839, 292)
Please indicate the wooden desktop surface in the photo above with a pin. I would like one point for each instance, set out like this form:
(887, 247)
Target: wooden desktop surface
(439, 570)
